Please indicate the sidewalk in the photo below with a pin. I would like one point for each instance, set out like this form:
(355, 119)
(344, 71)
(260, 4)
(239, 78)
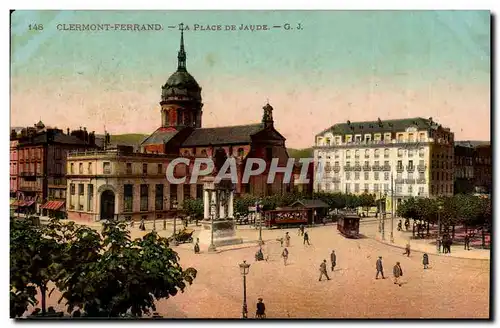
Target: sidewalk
(401, 238)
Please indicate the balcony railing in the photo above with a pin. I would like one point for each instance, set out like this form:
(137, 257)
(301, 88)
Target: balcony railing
(386, 167)
(328, 169)
(336, 169)
(348, 168)
(421, 181)
(366, 168)
(410, 181)
(399, 169)
(410, 168)
(399, 180)
(367, 156)
(421, 168)
(357, 167)
(377, 168)
(27, 174)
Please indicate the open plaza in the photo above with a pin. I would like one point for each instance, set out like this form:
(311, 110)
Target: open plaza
(456, 285)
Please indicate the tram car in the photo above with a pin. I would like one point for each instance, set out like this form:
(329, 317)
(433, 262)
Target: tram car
(348, 225)
(285, 217)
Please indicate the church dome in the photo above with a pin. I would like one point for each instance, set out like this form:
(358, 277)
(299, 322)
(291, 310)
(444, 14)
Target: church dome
(181, 84)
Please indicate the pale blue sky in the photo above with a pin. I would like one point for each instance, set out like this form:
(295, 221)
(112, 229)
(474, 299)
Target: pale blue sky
(335, 49)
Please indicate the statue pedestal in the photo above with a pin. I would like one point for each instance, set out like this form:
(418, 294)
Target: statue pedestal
(224, 233)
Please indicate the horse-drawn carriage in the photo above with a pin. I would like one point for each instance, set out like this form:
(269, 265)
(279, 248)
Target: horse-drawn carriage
(183, 236)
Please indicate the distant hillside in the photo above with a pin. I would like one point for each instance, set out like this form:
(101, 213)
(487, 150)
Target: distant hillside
(130, 139)
(300, 153)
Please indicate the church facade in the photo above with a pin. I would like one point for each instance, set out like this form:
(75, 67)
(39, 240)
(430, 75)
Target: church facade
(181, 134)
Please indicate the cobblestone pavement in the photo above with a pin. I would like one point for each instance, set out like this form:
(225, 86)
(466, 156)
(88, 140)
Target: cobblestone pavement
(450, 288)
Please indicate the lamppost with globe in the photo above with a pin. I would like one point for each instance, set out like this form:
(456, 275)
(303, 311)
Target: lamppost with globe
(213, 208)
(244, 269)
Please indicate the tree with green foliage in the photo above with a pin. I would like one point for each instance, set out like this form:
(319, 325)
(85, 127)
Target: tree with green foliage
(33, 263)
(193, 207)
(103, 275)
(127, 277)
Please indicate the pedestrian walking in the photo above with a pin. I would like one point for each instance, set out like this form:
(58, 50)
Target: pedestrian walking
(306, 238)
(284, 255)
(398, 272)
(333, 259)
(324, 220)
(281, 241)
(380, 268)
(322, 271)
(302, 229)
(407, 250)
(260, 313)
(197, 246)
(287, 239)
(467, 242)
(425, 261)
(142, 225)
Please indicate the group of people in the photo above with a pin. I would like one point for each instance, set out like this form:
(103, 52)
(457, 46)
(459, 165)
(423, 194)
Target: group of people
(397, 271)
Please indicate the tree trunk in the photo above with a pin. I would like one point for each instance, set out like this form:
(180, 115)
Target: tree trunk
(428, 229)
(43, 290)
(453, 232)
(413, 229)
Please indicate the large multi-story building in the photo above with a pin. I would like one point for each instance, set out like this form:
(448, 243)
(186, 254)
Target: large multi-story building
(42, 164)
(121, 183)
(415, 155)
(473, 170)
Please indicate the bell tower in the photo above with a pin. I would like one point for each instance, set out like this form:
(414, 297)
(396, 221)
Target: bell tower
(181, 101)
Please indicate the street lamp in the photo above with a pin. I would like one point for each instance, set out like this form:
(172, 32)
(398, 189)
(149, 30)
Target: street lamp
(174, 205)
(438, 237)
(212, 248)
(257, 211)
(244, 268)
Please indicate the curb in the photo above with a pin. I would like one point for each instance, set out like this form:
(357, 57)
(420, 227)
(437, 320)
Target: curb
(419, 251)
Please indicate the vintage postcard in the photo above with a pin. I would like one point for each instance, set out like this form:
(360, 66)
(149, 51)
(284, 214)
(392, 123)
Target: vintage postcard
(250, 164)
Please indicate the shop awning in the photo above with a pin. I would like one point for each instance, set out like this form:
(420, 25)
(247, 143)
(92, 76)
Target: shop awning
(53, 205)
(28, 203)
(22, 203)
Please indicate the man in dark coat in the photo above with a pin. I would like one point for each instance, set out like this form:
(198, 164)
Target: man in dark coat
(467, 242)
(284, 255)
(322, 271)
(380, 268)
(306, 238)
(333, 259)
(398, 272)
(425, 260)
(261, 309)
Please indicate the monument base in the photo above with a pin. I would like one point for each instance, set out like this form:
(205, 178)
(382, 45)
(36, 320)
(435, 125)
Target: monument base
(224, 233)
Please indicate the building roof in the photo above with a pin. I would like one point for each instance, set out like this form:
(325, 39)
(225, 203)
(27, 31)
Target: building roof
(310, 203)
(380, 126)
(237, 134)
(58, 137)
(472, 143)
(160, 136)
